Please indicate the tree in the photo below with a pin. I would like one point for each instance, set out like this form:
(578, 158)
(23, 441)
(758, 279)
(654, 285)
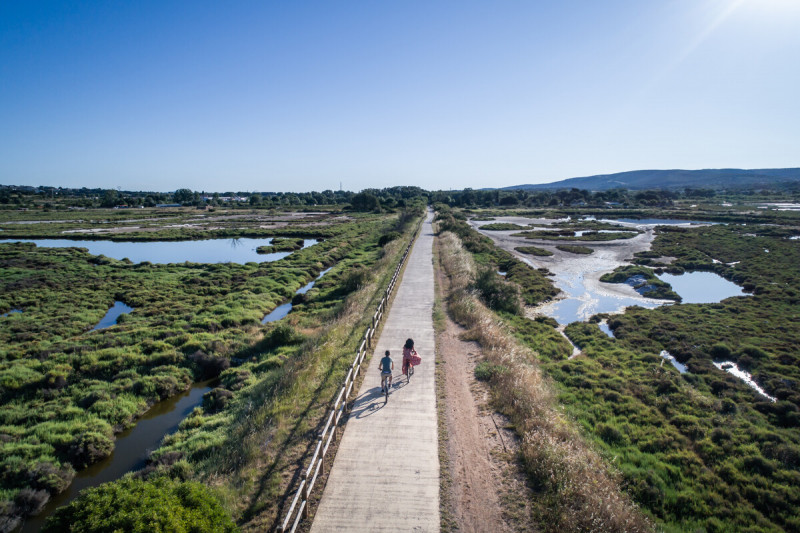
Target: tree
(365, 201)
(183, 196)
(110, 198)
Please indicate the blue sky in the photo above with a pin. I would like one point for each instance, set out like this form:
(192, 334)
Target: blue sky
(298, 96)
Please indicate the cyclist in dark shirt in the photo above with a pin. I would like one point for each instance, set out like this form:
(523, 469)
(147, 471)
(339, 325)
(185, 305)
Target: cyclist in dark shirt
(386, 367)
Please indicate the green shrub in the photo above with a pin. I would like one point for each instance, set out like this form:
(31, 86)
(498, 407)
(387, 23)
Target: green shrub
(581, 250)
(497, 293)
(386, 238)
(484, 371)
(533, 250)
(137, 506)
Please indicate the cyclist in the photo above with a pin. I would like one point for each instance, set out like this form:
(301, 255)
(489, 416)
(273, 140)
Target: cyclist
(408, 353)
(386, 366)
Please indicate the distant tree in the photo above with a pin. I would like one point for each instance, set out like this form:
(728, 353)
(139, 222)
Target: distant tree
(365, 201)
(183, 196)
(110, 198)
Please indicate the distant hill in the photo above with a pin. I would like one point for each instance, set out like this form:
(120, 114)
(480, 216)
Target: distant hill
(720, 178)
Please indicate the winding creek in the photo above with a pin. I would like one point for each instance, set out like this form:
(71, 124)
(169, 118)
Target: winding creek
(284, 309)
(131, 449)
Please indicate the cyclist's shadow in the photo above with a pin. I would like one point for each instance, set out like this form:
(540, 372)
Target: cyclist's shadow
(373, 400)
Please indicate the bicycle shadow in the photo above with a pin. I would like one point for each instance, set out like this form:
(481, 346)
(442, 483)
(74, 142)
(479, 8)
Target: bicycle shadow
(373, 400)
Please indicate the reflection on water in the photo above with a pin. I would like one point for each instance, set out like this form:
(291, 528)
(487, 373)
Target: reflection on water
(277, 313)
(284, 309)
(240, 250)
(131, 449)
(581, 303)
(702, 287)
(731, 368)
(605, 329)
(119, 308)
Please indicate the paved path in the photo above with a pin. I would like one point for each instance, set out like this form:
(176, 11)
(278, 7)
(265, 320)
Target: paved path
(386, 473)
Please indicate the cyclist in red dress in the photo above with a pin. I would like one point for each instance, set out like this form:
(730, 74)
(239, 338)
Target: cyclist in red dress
(408, 353)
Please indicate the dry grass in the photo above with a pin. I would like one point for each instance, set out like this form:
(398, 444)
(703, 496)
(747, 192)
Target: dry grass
(575, 491)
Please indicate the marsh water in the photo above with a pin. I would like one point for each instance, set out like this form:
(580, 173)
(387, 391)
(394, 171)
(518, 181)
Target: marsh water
(702, 287)
(731, 368)
(581, 301)
(131, 449)
(113, 314)
(239, 251)
(284, 309)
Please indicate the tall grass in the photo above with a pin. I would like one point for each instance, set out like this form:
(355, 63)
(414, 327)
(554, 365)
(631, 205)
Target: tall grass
(575, 491)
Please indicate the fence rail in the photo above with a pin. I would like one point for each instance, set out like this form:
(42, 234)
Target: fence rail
(299, 509)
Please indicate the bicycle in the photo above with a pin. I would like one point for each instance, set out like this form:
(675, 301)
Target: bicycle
(409, 372)
(385, 385)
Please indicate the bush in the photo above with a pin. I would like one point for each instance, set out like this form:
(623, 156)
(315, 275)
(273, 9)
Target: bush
(281, 335)
(135, 505)
(216, 399)
(88, 448)
(387, 238)
(498, 294)
(484, 371)
(355, 280)
(208, 366)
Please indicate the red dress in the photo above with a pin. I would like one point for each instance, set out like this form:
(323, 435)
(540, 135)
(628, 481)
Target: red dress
(407, 353)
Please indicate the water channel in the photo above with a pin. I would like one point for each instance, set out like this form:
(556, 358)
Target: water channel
(131, 449)
(113, 314)
(731, 368)
(284, 309)
(239, 251)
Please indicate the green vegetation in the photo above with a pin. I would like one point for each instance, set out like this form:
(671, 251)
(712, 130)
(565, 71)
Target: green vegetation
(501, 226)
(66, 390)
(281, 244)
(582, 250)
(643, 280)
(134, 505)
(699, 451)
(533, 284)
(533, 250)
(569, 235)
(572, 489)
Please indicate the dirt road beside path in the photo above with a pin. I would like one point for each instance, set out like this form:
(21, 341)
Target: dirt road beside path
(486, 491)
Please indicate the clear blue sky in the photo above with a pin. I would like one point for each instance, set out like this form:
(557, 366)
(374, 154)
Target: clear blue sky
(298, 96)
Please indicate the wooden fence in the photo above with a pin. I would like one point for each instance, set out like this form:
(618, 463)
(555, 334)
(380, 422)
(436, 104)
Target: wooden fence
(299, 507)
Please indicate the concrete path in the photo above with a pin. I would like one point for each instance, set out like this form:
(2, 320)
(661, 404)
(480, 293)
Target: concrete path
(386, 473)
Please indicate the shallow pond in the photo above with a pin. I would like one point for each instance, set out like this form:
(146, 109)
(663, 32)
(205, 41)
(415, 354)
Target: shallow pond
(131, 449)
(113, 314)
(731, 368)
(702, 287)
(239, 251)
(581, 302)
(13, 311)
